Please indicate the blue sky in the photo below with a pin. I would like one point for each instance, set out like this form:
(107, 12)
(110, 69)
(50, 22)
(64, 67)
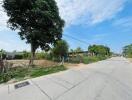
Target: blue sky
(107, 22)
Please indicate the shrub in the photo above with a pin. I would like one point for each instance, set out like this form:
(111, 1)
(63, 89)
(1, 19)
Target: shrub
(87, 60)
(19, 72)
(18, 56)
(102, 57)
(77, 59)
(26, 55)
(91, 59)
(48, 56)
(40, 56)
(5, 77)
(43, 55)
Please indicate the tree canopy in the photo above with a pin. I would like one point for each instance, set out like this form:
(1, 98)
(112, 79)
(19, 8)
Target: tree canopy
(60, 49)
(99, 50)
(127, 50)
(37, 21)
(2, 54)
(78, 49)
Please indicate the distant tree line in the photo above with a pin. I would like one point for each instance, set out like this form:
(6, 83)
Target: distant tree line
(61, 51)
(99, 50)
(127, 51)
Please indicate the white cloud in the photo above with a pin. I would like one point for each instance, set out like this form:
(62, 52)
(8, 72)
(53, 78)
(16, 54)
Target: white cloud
(76, 12)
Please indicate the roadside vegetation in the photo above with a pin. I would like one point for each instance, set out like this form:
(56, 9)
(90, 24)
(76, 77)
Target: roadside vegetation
(57, 57)
(127, 51)
(22, 73)
(88, 60)
(38, 22)
(59, 54)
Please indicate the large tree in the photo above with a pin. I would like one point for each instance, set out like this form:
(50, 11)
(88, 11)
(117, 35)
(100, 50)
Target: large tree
(37, 21)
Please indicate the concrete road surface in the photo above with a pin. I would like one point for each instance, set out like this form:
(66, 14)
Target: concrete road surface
(105, 80)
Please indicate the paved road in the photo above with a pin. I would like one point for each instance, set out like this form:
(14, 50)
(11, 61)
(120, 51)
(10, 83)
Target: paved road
(106, 80)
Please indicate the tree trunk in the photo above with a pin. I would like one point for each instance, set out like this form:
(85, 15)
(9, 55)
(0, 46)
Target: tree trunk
(63, 60)
(2, 67)
(1, 64)
(31, 63)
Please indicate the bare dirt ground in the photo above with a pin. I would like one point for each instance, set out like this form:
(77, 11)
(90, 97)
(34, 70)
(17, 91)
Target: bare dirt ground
(43, 63)
(69, 65)
(130, 59)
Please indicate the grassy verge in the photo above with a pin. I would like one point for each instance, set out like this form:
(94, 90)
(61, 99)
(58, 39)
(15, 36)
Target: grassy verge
(45, 71)
(88, 60)
(20, 73)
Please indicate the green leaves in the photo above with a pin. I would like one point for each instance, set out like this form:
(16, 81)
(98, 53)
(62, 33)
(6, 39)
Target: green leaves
(60, 49)
(38, 21)
(99, 50)
(127, 50)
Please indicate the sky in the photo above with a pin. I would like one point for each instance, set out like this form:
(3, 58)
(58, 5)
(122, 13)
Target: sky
(87, 22)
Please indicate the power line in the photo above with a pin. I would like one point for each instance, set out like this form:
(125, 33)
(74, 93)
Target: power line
(84, 42)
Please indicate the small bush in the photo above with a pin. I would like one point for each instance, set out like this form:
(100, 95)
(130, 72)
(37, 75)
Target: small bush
(26, 55)
(77, 59)
(5, 77)
(48, 56)
(19, 72)
(40, 56)
(43, 55)
(18, 56)
(91, 59)
(87, 60)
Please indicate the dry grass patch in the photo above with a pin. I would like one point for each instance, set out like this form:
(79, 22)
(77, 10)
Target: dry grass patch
(43, 63)
(130, 59)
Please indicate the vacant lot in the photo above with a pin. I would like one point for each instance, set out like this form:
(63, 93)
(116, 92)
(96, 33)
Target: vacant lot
(42, 63)
(21, 71)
